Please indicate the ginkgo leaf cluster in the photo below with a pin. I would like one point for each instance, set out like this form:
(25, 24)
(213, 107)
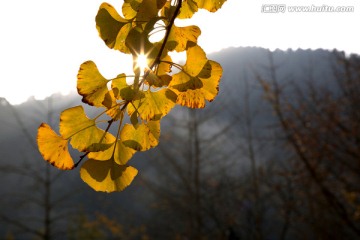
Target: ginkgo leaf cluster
(154, 91)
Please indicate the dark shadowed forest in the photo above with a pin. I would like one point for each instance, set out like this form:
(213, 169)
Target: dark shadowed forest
(275, 156)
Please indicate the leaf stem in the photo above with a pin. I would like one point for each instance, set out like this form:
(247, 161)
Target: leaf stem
(167, 34)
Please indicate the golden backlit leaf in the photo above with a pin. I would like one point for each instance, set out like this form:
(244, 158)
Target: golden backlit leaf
(121, 155)
(74, 120)
(121, 89)
(107, 176)
(210, 5)
(109, 100)
(91, 84)
(180, 38)
(113, 28)
(167, 11)
(115, 113)
(54, 148)
(130, 8)
(195, 60)
(142, 10)
(199, 80)
(164, 66)
(142, 138)
(154, 105)
(154, 92)
(83, 131)
(188, 8)
(160, 76)
(196, 98)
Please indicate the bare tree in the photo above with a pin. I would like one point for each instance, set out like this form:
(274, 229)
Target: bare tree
(36, 208)
(321, 125)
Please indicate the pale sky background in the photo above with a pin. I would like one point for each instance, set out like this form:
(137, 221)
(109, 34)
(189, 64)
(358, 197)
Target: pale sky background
(43, 42)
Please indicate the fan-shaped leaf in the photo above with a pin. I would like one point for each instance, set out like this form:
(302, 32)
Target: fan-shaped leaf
(91, 84)
(196, 98)
(195, 60)
(188, 8)
(113, 29)
(199, 80)
(130, 8)
(142, 10)
(142, 138)
(121, 154)
(180, 38)
(210, 5)
(83, 131)
(121, 89)
(107, 176)
(154, 105)
(54, 148)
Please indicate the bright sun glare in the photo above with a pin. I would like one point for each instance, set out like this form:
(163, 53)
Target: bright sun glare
(142, 62)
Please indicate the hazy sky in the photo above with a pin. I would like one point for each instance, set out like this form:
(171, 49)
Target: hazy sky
(43, 42)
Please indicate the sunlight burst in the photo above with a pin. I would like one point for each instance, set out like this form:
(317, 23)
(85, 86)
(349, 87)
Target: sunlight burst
(142, 62)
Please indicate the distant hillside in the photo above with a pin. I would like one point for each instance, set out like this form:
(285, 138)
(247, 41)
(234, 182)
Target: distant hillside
(18, 125)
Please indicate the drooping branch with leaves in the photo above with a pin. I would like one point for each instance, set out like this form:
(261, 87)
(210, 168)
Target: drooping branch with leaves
(146, 96)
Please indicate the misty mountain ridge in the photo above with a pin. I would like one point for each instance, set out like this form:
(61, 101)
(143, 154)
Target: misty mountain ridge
(241, 68)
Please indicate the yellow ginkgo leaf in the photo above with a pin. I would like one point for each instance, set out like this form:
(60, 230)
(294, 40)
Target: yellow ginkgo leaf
(210, 5)
(91, 84)
(121, 89)
(141, 138)
(195, 60)
(83, 131)
(198, 81)
(160, 76)
(188, 8)
(130, 8)
(74, 120)
(107, 176)
(121, 155)
(142, 10)
(180, 38)
(113, 29)
(154, 105)
(54, 148)
(164, 66)
(195, 91)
